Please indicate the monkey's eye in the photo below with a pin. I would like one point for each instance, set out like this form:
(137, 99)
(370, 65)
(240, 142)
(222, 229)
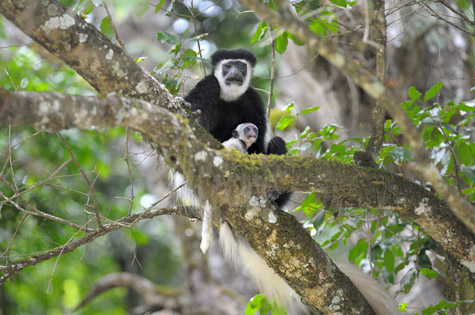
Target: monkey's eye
(247, 129)
(242, 67)
(227, 66)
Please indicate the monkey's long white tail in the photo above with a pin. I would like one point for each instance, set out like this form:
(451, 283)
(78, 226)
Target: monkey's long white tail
(186, 197)
(264, 277)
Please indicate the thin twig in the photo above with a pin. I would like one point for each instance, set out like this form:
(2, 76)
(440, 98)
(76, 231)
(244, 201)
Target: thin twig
(116, 33)
(35, 212)
(85, 178)
(13, 237)
(126, 159)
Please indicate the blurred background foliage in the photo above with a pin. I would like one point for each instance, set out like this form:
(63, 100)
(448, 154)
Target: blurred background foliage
(173, 40)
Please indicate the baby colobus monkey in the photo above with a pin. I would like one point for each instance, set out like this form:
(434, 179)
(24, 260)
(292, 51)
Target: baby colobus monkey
(242, 137)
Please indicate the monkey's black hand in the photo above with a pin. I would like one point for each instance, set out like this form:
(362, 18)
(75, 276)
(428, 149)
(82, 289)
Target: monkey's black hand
(273, 195)
(195, 114)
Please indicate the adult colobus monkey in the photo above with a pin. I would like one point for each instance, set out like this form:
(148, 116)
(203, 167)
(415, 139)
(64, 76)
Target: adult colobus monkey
(226, 99)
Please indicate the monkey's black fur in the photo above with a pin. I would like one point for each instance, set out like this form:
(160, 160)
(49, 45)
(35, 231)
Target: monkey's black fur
(220, 117)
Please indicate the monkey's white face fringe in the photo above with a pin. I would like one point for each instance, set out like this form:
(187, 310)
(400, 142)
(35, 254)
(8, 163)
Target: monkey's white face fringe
(232, 92)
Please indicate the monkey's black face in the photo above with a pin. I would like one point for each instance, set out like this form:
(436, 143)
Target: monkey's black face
(234, 72)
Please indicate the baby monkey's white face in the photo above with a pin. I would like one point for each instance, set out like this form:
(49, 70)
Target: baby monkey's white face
(234, 76)
(246, 132)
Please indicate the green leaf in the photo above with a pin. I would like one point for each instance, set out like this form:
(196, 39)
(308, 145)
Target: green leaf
(318, 219)
(297, 41)
(284, 122)
(288, 108)
(389, 260)
(317, 27)
(469, 171)
(337, 148)
(309, 110)
(400, 154)
(407, 281)
(260, 32)
(465, 107)
(106, 27)
(465, 154)
(433, 91)
(360, 248)
(164, 37)
(442, 305)
(281, 43)
(340, 3)
(414, 94)
(159, 6)
(375, 252)
(88, 7)
(429, 273)
(140, 237)
(402, 307)
(395, 228)
(334, 246)
(258, 302)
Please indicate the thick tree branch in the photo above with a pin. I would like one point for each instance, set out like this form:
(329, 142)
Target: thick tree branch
(228, 178)
(86, 50)
(377, 90)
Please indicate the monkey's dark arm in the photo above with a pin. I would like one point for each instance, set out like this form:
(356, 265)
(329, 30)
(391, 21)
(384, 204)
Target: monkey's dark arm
(277, 146)
(204, 97)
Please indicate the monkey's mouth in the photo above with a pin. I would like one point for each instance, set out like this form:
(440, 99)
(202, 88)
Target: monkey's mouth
(235, 81)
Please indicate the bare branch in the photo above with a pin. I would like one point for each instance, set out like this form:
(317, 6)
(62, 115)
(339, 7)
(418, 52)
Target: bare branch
(17, 266)
(144, 287)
